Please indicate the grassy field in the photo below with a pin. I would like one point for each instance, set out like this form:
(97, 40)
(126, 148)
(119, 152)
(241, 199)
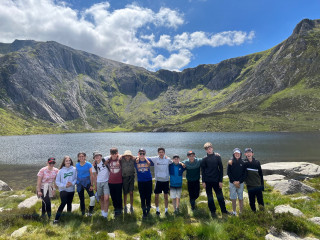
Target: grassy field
(185, 225)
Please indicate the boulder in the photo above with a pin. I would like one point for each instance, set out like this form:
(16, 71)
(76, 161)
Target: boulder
(291, 186)
(315, 220)
(4, 186)
(306, 198)
(29, 202)
(296, 170)
(283, 235)
(287, 208)
(20, 232)
(274, 177)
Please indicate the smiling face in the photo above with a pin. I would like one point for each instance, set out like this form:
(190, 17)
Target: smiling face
(237, 155)
(209, 150)
(176, 160)
(141, 154)
(161, 153)
(249, 154)
(191, 157)
(97, 158)
(82, 158)
(67, 162)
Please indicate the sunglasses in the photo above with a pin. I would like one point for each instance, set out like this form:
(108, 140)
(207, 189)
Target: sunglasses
(142, 153)
(52, 163)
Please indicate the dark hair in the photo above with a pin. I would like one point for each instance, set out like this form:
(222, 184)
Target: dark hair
(81, 153)
(63, 164)
(161, 148)
(113, 150)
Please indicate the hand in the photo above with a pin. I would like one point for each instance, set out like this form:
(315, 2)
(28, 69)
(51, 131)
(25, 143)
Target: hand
(39, 194)
(94, 163)
(230, 162)
(91, 188)
(220, 185)
(69, 184)
(217, 154)
(137, 160)
(204, 185)
(183, 165)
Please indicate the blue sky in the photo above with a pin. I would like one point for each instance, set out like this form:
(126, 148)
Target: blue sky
(157, 34)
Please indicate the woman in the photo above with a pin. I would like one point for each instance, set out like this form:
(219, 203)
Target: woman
(84, 182)
(45, 185)
(66, 180)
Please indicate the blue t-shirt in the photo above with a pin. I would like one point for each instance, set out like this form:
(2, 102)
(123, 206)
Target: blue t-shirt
(83, 171)
(143, 171)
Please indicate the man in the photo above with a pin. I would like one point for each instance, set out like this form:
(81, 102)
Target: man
(101, 178)
(212, 174)
(161, 172)
(254, 180)
(193, 177)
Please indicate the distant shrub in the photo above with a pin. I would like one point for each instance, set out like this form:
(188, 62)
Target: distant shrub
(173, 233)
(149, 234)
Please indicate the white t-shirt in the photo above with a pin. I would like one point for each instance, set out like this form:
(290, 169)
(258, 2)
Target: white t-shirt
(161, 168)
(103, 172)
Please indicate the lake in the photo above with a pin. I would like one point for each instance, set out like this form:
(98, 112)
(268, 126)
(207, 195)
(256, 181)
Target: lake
(22, 156)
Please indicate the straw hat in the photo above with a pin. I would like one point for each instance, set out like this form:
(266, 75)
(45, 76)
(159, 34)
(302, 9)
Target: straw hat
(127, 153)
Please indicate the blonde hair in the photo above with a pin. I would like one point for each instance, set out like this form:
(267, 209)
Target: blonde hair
(207, 145)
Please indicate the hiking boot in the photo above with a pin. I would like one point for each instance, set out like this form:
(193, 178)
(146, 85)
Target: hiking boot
(158, 213)
(131, 209)
(213, 215)
(55, 221)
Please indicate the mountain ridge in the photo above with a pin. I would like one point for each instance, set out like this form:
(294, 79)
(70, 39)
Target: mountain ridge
(77, 91)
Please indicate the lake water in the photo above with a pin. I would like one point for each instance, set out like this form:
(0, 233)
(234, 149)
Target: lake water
(22, 156)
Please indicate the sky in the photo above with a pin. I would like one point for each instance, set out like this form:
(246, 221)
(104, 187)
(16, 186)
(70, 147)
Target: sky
(157, 34)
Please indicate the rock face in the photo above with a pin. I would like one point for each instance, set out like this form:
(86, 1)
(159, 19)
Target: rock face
(315, 220)
(20, 232)
(274, 177)
(287, 208)
(283, 235)
(4, 186)
(296, 170)
(52, 82)
(291, 187)
(29, 202)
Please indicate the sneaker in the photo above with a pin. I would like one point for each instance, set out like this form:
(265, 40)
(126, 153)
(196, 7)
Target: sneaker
(166, 213)
(125, 210)
(234, 213)
(131, 209)
(158, 213)
(55, 221)
(89, 214)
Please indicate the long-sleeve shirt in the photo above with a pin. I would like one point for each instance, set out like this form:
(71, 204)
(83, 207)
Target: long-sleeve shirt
(66, 175)
(254, 176)
(193, 169)
(212, 168)
(237, 170)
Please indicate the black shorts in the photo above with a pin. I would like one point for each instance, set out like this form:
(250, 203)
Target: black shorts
(161, 186)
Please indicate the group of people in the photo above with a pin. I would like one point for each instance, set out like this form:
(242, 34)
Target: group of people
(114, 174)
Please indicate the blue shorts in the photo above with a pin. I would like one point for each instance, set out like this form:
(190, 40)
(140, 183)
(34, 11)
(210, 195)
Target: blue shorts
(234, 192)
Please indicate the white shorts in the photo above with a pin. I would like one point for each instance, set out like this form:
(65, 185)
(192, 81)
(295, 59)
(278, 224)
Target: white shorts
(175, 192)
(234, 192)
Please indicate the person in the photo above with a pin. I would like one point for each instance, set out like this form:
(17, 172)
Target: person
(212, 174)
(176, 171)
(66, 180)
(101, 178)
(128, 176)
(193, 177)
(115, 180)
(46, 185)
(254, 180)
(236, 172)
(84, 182)
(161, 172)
(144, 176)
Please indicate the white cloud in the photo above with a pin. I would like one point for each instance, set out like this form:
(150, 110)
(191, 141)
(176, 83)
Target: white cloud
(113, 34)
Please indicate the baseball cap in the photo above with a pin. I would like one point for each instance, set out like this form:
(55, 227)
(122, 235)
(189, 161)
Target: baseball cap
(52, 160)
(236, 150)
(190, 152)
(248, 150)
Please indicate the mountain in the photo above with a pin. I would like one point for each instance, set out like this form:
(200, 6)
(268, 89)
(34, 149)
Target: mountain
(49, 87)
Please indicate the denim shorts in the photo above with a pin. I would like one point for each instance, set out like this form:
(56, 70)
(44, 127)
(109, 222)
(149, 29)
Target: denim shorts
(234, 192)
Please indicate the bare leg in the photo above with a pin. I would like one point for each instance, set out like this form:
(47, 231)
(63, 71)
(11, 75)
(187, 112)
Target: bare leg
(240, 205)
(156, 200)
(166, 202)
(131, 199)
(174, 203)
(125, 200)
(234, 205)
(178, 202)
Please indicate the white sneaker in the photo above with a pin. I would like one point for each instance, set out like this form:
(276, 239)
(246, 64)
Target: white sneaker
(234, 213)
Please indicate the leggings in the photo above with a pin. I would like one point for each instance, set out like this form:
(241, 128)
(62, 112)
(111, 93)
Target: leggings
(46, 204)
(81, 197)
(66, 199)
(145, 191)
